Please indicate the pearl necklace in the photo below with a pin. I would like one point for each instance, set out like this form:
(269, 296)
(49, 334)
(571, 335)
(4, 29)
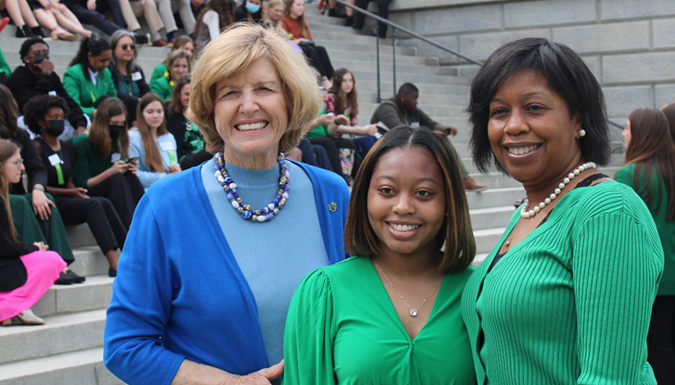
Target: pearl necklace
(413, 311)
(525, 214)
(246, 211)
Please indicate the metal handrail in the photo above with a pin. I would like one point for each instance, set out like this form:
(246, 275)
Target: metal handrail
(395, 26)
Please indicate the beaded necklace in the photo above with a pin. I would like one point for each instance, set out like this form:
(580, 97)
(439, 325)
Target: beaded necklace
(245, 210)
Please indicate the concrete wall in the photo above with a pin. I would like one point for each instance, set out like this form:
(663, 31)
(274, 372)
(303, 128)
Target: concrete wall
(628, 44)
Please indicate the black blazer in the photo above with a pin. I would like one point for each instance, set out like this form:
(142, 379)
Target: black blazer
(12, 271)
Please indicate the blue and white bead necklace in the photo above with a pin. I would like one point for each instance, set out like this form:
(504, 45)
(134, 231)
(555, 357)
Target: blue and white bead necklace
(266, 213)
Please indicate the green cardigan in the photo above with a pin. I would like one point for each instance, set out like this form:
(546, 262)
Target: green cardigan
(78, 84)
(666, 228)
(158, 72)
(571, 303)
(162, 88)
(89, 161)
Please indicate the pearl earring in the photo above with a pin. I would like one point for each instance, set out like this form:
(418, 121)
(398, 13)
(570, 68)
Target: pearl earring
(582, 133)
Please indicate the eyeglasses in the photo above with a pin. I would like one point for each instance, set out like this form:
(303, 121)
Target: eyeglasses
(18, 163)
(128, 46)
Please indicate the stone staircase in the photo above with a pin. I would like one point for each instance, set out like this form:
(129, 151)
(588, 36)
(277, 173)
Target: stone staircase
(68, 349)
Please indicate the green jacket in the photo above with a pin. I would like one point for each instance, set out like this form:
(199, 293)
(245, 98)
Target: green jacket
(90, 162)
(665, 228)
(162, 88)
(158, 72)
(5, 71)
(79, 86)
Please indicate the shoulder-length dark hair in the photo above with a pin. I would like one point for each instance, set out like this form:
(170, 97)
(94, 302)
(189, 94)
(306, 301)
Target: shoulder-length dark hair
(652, 149)
(7, 150)
(669, 111)
(460, 245)
(9, 113)
(566, 74)
(94, 45)
(99, 134)
(152, 156)
(340, 97)
(114, 40)
(176, 106)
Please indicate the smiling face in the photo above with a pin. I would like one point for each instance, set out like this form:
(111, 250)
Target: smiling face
(124, 50)
(178, 68)
(275, 12)
(153, 114)
(627, 135)
(100, 62)
(251, 114)
(406, 201)
(297, 9)
(188, 48)
(531, 132)
(347, 83)
(185, 96)
(12, 168)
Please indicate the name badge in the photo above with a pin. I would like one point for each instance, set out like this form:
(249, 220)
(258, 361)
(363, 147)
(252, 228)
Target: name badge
(54, 159)
(167, 146)
(115, 157)
(136, 76)
(415, 124)
(52, 93)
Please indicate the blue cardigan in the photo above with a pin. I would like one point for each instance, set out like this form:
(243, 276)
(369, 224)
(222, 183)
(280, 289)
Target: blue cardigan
(155, 321)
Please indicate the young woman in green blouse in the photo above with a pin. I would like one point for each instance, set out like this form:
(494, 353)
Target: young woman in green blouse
(650, 171)
(88, 77)
(178, 65)
(391, 313)
(565, 296)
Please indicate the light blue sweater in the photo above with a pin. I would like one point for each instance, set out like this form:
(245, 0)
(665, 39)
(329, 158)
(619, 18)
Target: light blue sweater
(167, 149)
(272, 261)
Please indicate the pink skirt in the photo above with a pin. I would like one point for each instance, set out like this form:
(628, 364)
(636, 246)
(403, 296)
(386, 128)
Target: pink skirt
(43, 268)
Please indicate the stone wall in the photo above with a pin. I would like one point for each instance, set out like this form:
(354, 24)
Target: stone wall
(628, 44)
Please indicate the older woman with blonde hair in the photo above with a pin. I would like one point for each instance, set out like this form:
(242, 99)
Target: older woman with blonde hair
(210, 263)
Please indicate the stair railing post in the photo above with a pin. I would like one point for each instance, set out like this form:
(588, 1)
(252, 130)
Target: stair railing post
(393, 32)
(377, 40)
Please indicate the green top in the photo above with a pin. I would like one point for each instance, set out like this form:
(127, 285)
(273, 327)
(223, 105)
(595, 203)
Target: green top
(78, 85)
(89, 161)
(162, 87)
(193, 140)
(318, 131)
(571, 303)
(342, 328)
(4, 67)
(665, 228)
(158, 72)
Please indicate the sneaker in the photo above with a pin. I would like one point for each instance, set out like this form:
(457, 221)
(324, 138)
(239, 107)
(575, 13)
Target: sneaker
(64, 279)
(143, 39)
(77, 278)
(23, 31)
(159, 43)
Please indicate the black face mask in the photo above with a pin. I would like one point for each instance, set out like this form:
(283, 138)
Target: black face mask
(55, 127)
(37, 59)
(115, 130)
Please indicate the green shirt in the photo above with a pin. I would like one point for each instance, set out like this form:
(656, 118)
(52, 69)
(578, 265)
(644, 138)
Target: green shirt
(571, 303)
(158, 72)
(89, 161)
(5, 71)
(342, 328)
(318, 131)
(665, 228)
(78, 85)
(162, 87)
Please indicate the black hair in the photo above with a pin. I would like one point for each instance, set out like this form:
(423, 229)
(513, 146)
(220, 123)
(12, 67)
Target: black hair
(37, 107)
(566, 74)
(28, 43)
(407, 89)
(94, 45)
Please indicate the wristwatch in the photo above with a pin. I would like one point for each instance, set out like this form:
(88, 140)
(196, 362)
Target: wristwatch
(39, 187)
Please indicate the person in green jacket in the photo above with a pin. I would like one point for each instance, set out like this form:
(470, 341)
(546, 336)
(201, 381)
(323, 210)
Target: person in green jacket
(649, 170)
(183, 43)
(565, 296)
(178, 65)
(5, 71)
(88, 77)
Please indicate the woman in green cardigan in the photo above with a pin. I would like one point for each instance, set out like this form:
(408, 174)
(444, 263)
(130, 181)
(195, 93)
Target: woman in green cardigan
(565, 297)
(88, 77)
(183, 43)
(178, 65)
(650, 171)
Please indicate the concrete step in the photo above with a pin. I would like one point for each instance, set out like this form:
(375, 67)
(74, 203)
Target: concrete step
(480, 257)
(365, 47)
(489, 217)
(89, 261)
(94, 293)
(84, 367)
(61, 333)
(486, 239)
(387, 68)
(371, 55)
(495, 197)
(80, 236)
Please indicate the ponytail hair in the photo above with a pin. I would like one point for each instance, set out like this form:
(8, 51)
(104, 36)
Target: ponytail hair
(94, 45)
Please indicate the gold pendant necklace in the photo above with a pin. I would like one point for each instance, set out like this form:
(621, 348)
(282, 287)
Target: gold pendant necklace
(413, 311)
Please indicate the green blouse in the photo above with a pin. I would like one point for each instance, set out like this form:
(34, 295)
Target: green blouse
(666, 228)
(162, 87)
(342, 328)
(90, 162)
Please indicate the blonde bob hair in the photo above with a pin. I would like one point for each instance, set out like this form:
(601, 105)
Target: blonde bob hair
(232, 53)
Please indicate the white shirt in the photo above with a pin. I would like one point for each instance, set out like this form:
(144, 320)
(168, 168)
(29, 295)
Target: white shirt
(92, 75)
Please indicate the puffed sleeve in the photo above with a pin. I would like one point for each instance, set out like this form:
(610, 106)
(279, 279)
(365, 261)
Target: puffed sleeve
(141, 306)
(308, 338)
(617, 266)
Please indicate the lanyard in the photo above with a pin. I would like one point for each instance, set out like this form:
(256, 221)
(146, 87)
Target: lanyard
(172, 156)
(59, 173)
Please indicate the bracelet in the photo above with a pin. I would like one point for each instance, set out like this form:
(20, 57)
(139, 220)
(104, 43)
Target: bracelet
(106, 174)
